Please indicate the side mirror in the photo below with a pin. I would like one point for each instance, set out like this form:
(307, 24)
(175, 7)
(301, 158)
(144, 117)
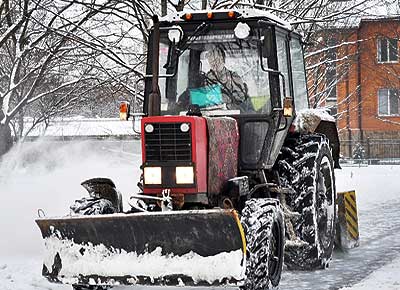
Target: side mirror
(125, 109)
(124, 114)
(267, 42)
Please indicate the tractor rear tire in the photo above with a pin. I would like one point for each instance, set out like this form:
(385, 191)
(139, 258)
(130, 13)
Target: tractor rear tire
(306, 165)
(262, 221)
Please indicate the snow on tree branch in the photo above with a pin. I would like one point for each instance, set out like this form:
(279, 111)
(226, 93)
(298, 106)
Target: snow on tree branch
(55, 50)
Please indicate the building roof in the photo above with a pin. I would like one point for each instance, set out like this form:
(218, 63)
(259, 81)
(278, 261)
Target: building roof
(371, 10)
(79, 126)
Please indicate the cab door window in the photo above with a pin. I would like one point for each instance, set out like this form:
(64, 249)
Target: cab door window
(298, 75)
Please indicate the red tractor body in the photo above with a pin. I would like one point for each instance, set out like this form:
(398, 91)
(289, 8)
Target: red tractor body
(169, 148)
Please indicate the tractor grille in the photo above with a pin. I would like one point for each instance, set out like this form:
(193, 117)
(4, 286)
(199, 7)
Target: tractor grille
(168, 143)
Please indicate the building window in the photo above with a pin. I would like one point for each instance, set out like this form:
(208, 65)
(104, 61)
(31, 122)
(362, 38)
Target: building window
(387, 50)
(388, 102)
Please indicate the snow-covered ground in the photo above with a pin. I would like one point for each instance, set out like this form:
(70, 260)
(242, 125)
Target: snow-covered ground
(378, 199)
(47, 176)
(385, 278)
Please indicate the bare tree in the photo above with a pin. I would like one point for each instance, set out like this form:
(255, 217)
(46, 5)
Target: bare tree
(54, 54)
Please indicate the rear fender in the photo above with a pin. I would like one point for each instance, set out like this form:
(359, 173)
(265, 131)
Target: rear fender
(312, 121)
(329, 129)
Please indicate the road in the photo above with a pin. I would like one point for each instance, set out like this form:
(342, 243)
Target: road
(48, 176)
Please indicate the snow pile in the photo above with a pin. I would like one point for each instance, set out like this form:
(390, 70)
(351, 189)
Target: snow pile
(88, 259)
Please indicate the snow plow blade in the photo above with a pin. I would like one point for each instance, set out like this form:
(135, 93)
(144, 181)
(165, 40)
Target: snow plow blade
(202, 247)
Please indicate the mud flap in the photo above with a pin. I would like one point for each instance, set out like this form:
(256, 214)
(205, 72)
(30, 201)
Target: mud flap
(347, 234)
(204, 247)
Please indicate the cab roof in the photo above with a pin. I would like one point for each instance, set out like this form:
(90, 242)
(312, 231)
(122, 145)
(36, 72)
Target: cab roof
(240, 14)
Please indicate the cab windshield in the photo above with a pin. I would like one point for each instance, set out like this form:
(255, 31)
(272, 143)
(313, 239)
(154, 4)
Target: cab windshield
(216, 71)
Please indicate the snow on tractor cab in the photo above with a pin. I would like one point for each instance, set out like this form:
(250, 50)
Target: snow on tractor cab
(234, 177)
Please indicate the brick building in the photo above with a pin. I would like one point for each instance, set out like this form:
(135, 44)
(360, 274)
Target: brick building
(361, 84)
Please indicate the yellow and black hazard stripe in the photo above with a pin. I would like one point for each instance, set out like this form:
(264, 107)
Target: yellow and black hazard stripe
(351, 214)
(348, 236)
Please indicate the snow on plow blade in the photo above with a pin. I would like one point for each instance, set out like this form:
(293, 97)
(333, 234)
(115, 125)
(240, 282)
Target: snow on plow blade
(204, 247)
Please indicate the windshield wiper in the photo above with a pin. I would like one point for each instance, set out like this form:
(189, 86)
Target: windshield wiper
(183, 46)
(199, 30)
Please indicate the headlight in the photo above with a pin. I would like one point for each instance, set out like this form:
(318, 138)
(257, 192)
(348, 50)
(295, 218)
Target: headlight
(184, 175)
(152, 175)
(185, 127)
(149, 128)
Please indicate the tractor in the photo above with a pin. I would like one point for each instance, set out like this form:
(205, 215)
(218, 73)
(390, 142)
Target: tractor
(237, 171)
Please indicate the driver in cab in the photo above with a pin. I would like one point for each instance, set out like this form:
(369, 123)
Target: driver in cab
(219, 88)
(234, 90)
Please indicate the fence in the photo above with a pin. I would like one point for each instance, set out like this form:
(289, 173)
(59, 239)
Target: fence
(374, 150)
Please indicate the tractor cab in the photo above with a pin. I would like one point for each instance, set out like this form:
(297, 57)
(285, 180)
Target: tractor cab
(244, 64)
